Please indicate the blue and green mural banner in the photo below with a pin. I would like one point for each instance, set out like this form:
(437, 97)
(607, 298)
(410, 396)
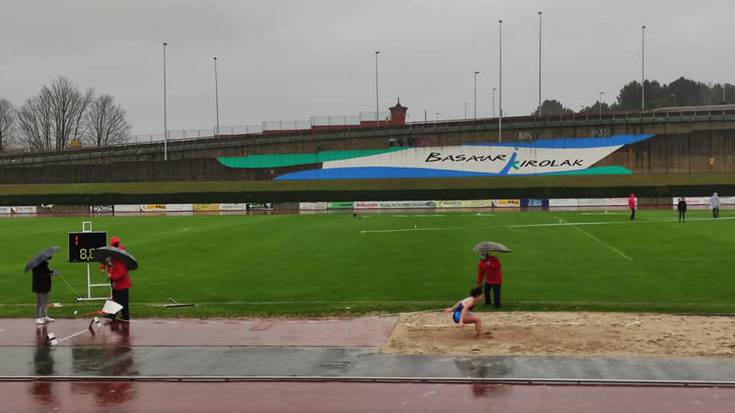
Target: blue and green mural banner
(573, 156)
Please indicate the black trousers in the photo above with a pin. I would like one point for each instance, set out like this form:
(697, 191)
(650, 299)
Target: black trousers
(496, 294)
(682, 216)
(715, 212)
(122, 297)
(632, 213)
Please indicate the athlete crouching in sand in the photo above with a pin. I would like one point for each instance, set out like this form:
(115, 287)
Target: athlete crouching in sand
(461, 311)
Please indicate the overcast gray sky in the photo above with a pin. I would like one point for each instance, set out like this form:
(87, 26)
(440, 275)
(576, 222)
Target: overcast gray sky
(289, 59)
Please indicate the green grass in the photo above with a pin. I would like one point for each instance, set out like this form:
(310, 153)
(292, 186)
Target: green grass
(326, 264)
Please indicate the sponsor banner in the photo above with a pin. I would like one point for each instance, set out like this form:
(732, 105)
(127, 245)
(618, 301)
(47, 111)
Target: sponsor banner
(126, 208)
(101, 209)
(592, 202)
(702, 200)
(153, 208)
(406, 204)
(313, 206)
(544, 156)
(506, 203)
(471, 203)
(534, 203)
(340, 205)
(563, 203)
(179, 207)
(260, 206)
(233, 207)
(693, 200)
(24, 209)
(5, 210)
(617, 202)
(205, 207)
(366, 205)
(602, 202)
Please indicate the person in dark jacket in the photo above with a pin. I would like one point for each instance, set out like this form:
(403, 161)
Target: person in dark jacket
(42, 287)
(682, 208)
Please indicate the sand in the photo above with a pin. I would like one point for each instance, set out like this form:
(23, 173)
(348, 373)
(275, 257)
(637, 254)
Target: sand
(562, 333)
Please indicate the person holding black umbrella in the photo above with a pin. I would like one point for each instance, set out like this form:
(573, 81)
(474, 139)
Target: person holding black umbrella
(117, 271)
(42, 287)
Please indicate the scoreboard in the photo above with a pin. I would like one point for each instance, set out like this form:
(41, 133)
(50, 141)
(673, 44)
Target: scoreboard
(83, 244)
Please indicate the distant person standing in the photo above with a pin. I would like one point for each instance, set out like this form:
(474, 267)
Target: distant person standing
(490, 272)
(633, 205)
(714, 203)
(682, 208)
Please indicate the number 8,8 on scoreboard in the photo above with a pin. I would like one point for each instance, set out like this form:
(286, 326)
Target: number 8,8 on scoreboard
(83, 244)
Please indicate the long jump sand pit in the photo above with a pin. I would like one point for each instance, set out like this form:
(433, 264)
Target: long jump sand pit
(566, 333)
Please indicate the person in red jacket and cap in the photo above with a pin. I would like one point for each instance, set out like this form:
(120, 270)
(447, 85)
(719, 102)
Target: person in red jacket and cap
(633, 205)
(117, 271)
(489, 271)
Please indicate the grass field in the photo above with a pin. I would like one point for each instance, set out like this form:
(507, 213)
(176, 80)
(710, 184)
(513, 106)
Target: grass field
(390, 262)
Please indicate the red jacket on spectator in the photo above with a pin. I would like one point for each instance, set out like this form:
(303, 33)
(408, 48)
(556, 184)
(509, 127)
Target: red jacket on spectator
(119, 275)
(489, 269)
(118, 271)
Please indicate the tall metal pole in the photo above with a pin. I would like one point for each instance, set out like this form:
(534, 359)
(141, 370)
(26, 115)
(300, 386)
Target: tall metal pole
(500, 81)
(538, 112)
(476, 73)
(599, 103)
(216, 94)
(165, 113)
(494, 89)
(724, 101)
(377, 98)
(643, 67)
(465, 110)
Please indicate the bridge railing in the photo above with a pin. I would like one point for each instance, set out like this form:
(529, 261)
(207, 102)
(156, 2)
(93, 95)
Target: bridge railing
(303, 128)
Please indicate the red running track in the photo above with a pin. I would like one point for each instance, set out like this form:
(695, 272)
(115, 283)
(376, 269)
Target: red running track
(357, 332)
(141, 397)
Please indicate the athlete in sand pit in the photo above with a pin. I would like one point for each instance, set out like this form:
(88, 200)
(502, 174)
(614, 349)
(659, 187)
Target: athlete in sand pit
(461, 311)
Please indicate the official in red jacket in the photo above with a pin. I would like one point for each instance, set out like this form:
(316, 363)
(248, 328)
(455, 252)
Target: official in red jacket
(117, 271)
(489, 271)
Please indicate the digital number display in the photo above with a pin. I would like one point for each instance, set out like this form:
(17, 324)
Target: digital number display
(83, 244)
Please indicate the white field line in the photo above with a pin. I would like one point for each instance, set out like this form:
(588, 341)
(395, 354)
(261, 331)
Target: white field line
(561, 224)
(601, 242)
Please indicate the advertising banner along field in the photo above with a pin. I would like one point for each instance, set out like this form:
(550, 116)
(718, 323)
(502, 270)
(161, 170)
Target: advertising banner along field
(541, 157)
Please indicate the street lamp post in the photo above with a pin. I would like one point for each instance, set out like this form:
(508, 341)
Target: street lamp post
(500, 80)
(643, 67)
(377, 96)
(216, 94)
(165, 120)
(494, 89)
(599, 103)
(538, 112)
(475, 115)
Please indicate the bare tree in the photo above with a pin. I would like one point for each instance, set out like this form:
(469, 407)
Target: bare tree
(53, 118)
(7, 123)
(105, 123)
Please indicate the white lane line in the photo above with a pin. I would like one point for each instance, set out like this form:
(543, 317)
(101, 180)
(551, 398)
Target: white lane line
(561, 224)
(601, 242)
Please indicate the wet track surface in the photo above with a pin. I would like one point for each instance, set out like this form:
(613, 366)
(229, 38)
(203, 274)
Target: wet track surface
(139, 367)
(82, 397)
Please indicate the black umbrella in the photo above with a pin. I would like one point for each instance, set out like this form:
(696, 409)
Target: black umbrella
(41, 257)
(101, 254)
